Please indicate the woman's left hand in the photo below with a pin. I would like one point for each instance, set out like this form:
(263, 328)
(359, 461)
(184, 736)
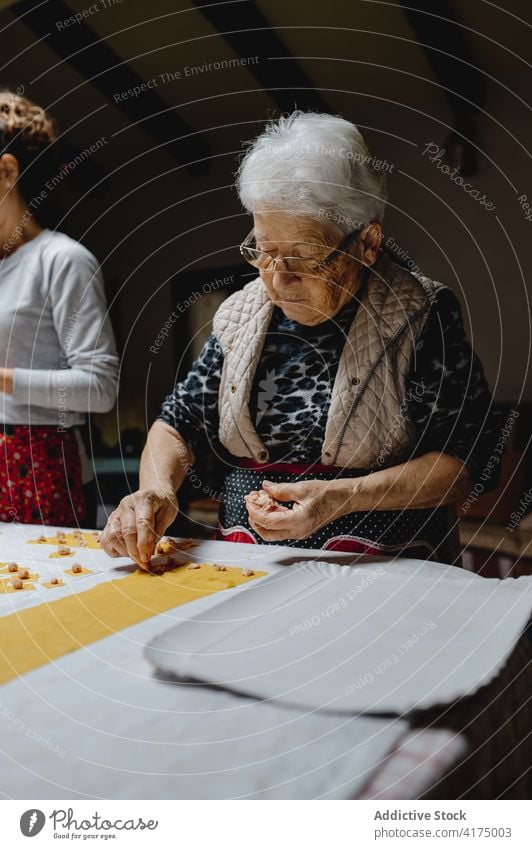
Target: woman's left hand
(315, 504)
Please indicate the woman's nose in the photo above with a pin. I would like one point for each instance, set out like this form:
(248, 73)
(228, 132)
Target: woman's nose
(282, 278)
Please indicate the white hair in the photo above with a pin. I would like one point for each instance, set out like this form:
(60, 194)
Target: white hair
(313, 164)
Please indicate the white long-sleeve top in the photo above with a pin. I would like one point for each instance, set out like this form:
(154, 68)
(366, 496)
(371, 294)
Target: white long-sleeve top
(55, 333)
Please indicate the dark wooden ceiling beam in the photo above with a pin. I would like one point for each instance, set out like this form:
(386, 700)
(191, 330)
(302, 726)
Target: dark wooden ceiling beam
(93, 59)
(249, 33)
(447, 47)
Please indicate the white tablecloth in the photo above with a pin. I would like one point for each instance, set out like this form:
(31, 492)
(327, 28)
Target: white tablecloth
(98, 724)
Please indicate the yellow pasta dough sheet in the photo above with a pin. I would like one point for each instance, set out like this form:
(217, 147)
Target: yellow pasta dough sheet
(85, 539)
(39, 635)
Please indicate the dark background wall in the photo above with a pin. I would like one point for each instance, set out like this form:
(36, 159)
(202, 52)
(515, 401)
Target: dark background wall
(155, 201)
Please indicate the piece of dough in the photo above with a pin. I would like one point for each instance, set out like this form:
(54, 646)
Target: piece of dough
(32, 576)
(84, 571)
(167, 545)
(7, 587)
(69, 540)
(263, 500)
(61, 554)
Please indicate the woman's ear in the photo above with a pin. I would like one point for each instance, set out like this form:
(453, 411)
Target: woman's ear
(371, 238)
(9, 170)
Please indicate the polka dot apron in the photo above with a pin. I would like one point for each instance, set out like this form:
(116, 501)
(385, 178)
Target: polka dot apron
(414, 533)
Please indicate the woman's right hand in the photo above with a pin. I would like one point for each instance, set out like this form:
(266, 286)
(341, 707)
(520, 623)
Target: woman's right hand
(135, 527)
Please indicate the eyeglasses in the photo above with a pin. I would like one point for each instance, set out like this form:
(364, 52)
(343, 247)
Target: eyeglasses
(300, 265)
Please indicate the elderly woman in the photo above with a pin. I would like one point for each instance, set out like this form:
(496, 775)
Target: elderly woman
(339, 388)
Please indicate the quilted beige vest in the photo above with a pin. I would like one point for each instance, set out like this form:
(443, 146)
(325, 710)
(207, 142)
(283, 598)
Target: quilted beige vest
(368, 424)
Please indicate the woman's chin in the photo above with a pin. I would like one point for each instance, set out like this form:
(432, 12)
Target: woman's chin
(299, 311)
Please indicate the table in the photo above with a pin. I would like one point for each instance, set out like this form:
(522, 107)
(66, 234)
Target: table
(99, 723)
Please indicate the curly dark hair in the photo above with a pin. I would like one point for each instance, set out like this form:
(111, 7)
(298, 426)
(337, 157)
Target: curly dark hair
(27, 131)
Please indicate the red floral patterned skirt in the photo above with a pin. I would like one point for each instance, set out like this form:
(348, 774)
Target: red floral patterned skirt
(40, 476)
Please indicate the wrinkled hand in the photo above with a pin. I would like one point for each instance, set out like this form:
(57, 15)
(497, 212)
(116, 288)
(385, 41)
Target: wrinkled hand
(135, 527)
(315, 504)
